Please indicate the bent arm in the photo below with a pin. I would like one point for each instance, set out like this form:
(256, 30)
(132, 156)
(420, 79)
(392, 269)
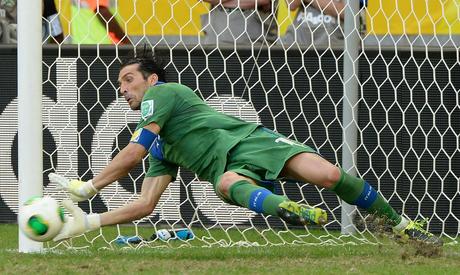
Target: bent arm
(152, 188)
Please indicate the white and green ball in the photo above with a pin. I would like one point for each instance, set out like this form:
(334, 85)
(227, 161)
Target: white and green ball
(41, 218)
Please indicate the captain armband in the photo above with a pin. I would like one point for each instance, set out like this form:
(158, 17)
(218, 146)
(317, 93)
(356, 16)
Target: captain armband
(143, 137)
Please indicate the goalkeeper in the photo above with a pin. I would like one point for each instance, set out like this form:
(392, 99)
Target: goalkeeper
(177, 128)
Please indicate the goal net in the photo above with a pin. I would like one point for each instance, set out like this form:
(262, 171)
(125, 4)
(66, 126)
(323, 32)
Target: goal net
(406, 116)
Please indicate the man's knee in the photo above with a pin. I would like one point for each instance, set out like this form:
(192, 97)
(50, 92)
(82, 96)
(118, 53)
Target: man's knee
(333, 176)
(227, 180)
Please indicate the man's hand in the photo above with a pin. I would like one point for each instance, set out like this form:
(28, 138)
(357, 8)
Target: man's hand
(78, 190)
(78, 224)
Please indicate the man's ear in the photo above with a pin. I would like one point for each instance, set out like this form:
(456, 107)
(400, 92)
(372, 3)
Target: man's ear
(152, 79)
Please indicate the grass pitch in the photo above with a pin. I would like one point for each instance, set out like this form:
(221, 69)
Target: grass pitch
(386, 258)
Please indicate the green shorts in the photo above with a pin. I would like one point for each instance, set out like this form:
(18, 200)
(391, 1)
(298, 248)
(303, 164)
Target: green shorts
(262, 155)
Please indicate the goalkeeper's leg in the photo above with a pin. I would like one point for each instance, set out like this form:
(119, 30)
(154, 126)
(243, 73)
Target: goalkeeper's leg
(314, 169)
(244, 192)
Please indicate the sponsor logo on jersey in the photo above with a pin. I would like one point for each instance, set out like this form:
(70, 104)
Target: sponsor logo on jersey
(147, 109)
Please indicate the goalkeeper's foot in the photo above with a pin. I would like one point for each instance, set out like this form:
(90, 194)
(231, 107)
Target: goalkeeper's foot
(415, 231)
(297, 214)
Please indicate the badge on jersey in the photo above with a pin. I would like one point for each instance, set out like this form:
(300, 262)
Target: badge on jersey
(147, 109)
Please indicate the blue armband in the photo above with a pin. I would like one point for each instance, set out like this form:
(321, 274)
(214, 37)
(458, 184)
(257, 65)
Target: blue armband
(143, 137)
(151, 142)
(156, 149)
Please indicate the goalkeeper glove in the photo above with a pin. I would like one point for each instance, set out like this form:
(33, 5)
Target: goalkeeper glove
(78, 190)
(78, 224)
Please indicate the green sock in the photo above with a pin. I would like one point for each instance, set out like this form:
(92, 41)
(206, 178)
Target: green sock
(360, 193)
(254, 197)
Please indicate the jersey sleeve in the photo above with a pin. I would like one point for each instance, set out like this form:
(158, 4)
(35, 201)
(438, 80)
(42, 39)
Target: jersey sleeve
(157, 106)
(161, 168)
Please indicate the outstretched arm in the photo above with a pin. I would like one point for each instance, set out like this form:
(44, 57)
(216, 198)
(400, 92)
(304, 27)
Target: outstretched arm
(152, 188)
(126, 160)
(119, 167)
(80, 222)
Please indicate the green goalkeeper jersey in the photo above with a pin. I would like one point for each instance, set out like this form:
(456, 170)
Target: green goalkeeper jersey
(193, 135)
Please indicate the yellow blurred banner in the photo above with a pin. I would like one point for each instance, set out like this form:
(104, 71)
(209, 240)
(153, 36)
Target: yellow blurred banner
(145, 17)
(161, 17)
(413, 17)
(182, 17)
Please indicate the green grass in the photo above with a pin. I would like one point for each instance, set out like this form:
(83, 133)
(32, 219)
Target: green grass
(386, 258)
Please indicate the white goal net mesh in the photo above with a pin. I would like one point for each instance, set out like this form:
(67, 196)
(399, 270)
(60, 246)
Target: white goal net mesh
(268, 65)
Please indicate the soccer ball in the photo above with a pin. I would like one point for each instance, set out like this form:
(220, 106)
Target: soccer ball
(41, 218)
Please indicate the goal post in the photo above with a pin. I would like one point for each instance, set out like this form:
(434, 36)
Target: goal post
(30, 148)
(352, 47)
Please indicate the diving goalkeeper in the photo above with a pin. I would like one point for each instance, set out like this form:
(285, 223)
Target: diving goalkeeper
(177, 128)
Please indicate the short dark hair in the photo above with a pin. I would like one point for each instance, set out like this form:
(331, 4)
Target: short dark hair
(149, 63)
